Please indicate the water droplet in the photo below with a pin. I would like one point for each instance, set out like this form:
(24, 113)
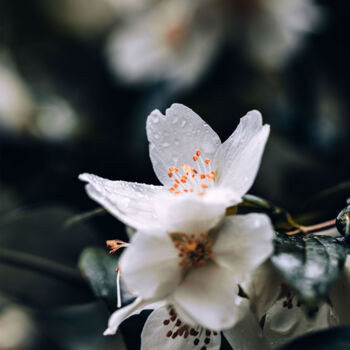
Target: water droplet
(183, 123)
(156, 136)
(155, 119)
(166, 144)
(174, 120)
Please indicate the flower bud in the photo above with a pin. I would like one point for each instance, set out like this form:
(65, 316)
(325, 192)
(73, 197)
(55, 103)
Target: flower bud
(343, 222)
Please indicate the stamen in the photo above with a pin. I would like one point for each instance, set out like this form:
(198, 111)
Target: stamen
(185, 182)
(119, 298)
(115, 245)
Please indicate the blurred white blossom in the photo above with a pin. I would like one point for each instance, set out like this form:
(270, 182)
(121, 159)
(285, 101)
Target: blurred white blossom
(176, 40)
(16, 102)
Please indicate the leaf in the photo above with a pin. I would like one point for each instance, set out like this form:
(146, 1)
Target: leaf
(309, 264)
(281, 219)
(99, 268)
(329, 339)
(34, 242)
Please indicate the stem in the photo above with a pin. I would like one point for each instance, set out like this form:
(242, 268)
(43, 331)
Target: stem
(312, 228)
(44, 266)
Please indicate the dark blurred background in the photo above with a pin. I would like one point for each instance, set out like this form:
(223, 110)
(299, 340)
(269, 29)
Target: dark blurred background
(78, 79)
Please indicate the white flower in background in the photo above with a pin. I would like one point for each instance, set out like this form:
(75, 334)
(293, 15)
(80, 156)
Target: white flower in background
(16, 103)
(278, 30)
(281, 326)
(192, 165)
(176, 40)
(284, 319)
(195, 271)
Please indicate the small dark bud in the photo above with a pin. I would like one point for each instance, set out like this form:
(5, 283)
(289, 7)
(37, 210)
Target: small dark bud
(343, 222)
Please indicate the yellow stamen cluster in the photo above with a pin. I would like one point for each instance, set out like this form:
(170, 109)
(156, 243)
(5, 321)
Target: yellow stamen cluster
(194, 250)
(192, 179)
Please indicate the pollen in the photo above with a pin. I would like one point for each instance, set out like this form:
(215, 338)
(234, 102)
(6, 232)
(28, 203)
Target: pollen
(194, 251)
(185, 180)
(115, 244)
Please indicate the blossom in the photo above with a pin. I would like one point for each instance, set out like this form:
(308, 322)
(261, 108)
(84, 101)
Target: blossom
(193, 167)
(283, 317)
(171, 42)
(194, 276)
(176, 40)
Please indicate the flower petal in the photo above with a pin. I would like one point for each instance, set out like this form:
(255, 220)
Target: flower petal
(130, 202)
(263, 288)
(246, 334)
(208, 295)
(132, 309)
(150, 265)
(243, 242)
(175, 137)
(153, 336)
(239, 157)
(339, 295)
(283, 324)
(188, 213)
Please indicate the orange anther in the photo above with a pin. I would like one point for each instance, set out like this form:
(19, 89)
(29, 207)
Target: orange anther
(176, 185)
(170, 174)
(204, 185)
(177, 181)
(198, 152)
(191, 189)
(194, 170)
(171, 189)
(207, 161)
(193, 175)
(186, 191)
(186, 168)
(202, 176)
(195, 158)
(176, 169)
(200, 193)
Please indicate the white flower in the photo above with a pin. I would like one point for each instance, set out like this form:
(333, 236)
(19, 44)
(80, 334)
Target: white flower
(176, 40)
(194, 274)
(281, 326)
(193, 167)
(171, 42)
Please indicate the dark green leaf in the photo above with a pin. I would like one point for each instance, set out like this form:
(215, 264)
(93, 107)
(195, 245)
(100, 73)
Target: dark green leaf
(309, 264)
(329, 339)
(99, 268)
(38, 257)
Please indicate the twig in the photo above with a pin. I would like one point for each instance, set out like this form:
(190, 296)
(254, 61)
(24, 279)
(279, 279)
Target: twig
(312, 228)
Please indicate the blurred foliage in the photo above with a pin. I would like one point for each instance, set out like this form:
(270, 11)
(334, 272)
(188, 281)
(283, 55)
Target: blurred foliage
(309, 264)
(334, 338)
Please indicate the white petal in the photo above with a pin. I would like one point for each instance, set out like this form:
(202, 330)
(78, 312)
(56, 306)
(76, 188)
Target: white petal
(282, 324)
(150, 265)
(130, 202)
(208, 295)
(175, 137)
(339, 295)
(246, 334)
(263, 288)
(188, 213)
(132, 309)
(243, 242)
(239, 157)
(153, 336)
(170, 43)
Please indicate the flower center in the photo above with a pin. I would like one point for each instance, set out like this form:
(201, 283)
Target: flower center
(196, 178)
(194, 251)
(177, 328)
